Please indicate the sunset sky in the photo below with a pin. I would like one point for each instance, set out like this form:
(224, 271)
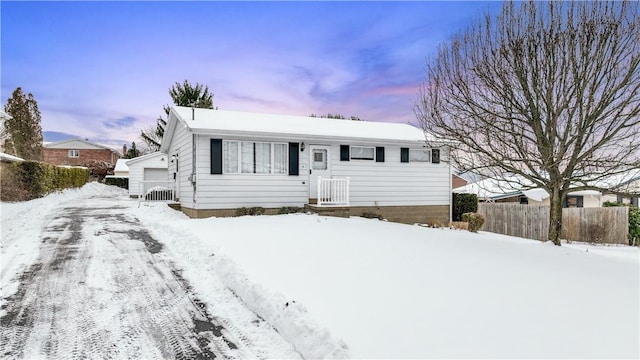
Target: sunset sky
(102, 70)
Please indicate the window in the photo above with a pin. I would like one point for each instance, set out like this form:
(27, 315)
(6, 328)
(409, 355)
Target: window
(249, 157)
(319, 159)
(74, 153)
(362, 153)
(435, 156)
(572, 201)
(419, 155)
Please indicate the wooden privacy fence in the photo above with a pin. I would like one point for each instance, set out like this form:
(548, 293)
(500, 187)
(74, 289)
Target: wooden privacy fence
(599, 225)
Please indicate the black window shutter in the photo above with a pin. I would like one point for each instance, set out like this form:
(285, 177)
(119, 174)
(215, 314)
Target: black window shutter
(380, 154)
(580, 202)
(435, 156)
(344, 152)
(404, 154)
(293, 158)
(216, 156)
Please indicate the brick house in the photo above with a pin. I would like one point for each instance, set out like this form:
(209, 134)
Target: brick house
(78, 152)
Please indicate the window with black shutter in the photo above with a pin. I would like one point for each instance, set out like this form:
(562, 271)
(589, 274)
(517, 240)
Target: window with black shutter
(216, 156)
(293, 158)
(344, 152)
(380, 154)
(404, 155)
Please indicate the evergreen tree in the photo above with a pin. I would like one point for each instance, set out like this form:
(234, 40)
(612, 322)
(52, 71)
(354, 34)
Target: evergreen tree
(133, 151)
(24, 132)
(184, 94)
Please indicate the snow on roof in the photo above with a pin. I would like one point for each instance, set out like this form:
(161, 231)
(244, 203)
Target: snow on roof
(4, 115)
(492, 189)
(121, 165)
(208, 120)
(79, 143)
(144, 157)
(9, 158)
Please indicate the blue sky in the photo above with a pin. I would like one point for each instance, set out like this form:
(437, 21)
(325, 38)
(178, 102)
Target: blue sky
(102, 70)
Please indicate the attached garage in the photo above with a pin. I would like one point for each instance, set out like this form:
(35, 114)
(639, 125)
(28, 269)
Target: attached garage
(150, 169)
(154, 174)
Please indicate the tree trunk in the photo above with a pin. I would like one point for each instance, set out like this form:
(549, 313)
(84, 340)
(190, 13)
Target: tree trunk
(555, 216)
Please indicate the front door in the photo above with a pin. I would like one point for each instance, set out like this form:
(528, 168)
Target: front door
(319, 166)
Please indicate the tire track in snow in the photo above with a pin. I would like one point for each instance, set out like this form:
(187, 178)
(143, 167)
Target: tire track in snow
(101, 288)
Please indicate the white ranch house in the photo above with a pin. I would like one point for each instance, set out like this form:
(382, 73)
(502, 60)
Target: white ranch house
(225, 160)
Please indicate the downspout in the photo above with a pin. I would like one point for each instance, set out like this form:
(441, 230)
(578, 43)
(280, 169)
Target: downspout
(194, 168)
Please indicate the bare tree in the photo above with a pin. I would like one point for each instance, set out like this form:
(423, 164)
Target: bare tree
(544, 95)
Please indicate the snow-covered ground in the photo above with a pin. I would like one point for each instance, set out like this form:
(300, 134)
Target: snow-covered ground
(370, 289)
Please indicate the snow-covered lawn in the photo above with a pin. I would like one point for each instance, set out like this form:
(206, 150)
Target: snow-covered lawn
(370, 289)
(399, 291)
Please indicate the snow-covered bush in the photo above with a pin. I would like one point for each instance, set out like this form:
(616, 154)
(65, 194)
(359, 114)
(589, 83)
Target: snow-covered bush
(474, 220)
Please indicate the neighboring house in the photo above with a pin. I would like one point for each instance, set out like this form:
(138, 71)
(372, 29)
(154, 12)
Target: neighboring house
(490, 190)
(226, 160)
(121, 169)
(150, 170)
(457, 181)
(78, 152)
(627, 184)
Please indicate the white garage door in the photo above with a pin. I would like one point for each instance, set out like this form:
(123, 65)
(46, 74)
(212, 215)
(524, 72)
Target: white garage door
(155, 175)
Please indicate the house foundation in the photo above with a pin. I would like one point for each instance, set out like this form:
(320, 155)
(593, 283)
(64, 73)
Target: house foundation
(422, 214)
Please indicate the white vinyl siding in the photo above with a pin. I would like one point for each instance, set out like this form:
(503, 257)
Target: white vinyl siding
(235, 190)
(138, 171)
(181, 144)
(392, 183)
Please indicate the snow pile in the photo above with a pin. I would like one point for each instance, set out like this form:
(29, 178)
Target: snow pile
(22, 225)
(398, 291)
(290, 318)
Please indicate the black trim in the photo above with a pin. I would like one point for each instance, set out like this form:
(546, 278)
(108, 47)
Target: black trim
(344, 152)
(293, 158)
(379, 154)
(435, 156)
(404, 155)
(216, 156)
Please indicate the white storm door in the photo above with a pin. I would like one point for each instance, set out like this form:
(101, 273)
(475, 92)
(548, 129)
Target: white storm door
(320, 165)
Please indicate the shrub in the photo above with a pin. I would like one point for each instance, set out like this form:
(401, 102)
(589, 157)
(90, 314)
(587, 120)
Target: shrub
(634, 222)
(250, 211)
(28, 180)
(474, 219)
(634, 226)
(121, 182)
(371, 215)
(289, 210)
(612, 204)
(464, 203)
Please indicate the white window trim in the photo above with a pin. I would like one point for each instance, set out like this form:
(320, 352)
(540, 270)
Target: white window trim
(73, 153)
(272, 154)
(362, 147)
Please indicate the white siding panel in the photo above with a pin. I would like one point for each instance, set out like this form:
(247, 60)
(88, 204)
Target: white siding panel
(181, 145)
(228, 191)
(392, 183)
(136, 172)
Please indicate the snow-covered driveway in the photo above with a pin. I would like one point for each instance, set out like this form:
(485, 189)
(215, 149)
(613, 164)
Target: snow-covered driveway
(103, 287)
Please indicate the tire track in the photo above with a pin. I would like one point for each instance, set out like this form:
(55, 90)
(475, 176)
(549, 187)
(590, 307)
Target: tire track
(101, 288)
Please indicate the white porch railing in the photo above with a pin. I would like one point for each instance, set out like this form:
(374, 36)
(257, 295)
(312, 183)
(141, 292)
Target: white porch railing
(333, 192)
(157, 191)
